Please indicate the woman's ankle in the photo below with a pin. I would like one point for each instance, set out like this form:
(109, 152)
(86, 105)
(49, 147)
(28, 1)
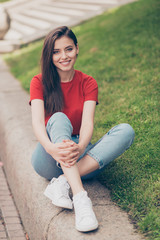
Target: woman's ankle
(78, 194)
(78, 191)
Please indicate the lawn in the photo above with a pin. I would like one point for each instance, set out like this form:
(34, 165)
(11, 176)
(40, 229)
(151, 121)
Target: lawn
(1, 1)
(121, 50)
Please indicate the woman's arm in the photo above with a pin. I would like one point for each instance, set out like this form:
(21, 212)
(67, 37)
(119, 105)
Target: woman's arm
(38, 123)
(59, 151)
(87, 125)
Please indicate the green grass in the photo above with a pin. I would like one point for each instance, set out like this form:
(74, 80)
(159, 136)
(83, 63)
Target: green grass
(121, 50)
(1, 1)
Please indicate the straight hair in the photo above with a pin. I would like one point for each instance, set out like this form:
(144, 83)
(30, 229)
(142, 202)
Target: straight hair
(52, 92)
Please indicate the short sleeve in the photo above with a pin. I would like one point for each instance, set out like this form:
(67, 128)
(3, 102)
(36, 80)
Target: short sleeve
(36, 88)
(90, 89)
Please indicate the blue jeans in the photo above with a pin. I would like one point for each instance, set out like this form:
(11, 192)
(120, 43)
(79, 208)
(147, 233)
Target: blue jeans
(109, 147)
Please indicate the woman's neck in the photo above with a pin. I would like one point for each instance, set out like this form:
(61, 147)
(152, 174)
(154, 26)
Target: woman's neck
(66, 76)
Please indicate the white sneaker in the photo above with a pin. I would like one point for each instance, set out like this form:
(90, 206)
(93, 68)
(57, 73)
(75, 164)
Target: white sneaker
(58, 192)
(85, 218)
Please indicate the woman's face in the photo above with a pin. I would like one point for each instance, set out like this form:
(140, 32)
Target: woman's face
(64, 54)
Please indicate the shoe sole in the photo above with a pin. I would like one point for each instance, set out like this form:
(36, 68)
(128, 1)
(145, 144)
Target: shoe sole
(58, 205)
(94, 227)
(48, 195)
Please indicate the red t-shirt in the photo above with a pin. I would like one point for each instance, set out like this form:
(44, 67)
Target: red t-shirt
(75, 93)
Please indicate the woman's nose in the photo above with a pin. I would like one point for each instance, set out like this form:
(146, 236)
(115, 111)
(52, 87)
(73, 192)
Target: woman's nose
(64, 55)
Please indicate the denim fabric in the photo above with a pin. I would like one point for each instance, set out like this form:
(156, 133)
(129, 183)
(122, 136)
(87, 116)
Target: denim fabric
(109, 147)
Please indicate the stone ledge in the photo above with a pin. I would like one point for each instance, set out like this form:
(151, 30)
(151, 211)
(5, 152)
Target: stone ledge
(8, 46)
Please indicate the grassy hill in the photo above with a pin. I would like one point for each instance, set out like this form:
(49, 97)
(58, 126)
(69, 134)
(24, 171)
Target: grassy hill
(121, 50)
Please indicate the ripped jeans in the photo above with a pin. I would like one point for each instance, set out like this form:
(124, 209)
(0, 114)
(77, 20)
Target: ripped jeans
(110, 146)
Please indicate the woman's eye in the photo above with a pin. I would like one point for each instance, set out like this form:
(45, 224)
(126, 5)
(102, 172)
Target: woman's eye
(69, 49)
(55, 52)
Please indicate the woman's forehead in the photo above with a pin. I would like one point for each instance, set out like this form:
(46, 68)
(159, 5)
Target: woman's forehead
(63, 42)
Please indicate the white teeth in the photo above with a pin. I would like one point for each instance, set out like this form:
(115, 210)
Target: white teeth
(65, 63)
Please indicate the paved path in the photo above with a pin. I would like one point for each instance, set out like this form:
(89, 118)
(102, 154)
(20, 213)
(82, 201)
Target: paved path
(10, 223)
(33, 19)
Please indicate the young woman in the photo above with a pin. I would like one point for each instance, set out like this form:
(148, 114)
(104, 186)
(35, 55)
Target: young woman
(63, 102)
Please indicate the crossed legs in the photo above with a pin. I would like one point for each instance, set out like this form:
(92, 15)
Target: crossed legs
(95, 159)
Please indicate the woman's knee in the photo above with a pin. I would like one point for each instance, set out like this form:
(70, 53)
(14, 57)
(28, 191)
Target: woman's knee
(60, 124)
(128, 132)
(59, 117)
(36, 162)
(43, 163)
(46, 168)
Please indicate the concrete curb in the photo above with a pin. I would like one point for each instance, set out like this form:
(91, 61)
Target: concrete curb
(41, 219)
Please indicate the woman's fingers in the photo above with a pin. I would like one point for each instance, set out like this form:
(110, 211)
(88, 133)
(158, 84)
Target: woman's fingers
(66, 153)
(68, 156)
(70, 142)
(72, 163)
(65, 164)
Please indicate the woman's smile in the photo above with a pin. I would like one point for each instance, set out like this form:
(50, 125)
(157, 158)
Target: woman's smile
(65, 63)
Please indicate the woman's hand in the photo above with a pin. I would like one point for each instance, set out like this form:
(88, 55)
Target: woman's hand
(76, 148)
(66, 152)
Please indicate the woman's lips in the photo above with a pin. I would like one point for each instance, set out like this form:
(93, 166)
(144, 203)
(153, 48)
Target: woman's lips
(65, 62)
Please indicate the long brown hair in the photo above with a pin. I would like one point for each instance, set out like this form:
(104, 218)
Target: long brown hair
(53, 96)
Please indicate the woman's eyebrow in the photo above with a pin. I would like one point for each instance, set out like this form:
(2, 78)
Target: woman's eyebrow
(69, 46)
(56, 49)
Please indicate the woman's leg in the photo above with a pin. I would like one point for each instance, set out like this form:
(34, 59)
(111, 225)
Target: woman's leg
(109, 147)
(73, 176)
(44, 164)
(58, 128)
(85, 219)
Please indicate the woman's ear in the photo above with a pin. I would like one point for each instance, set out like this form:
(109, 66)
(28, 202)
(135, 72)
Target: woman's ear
(77, 49)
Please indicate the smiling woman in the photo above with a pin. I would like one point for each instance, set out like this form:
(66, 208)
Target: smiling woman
(63, 102)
